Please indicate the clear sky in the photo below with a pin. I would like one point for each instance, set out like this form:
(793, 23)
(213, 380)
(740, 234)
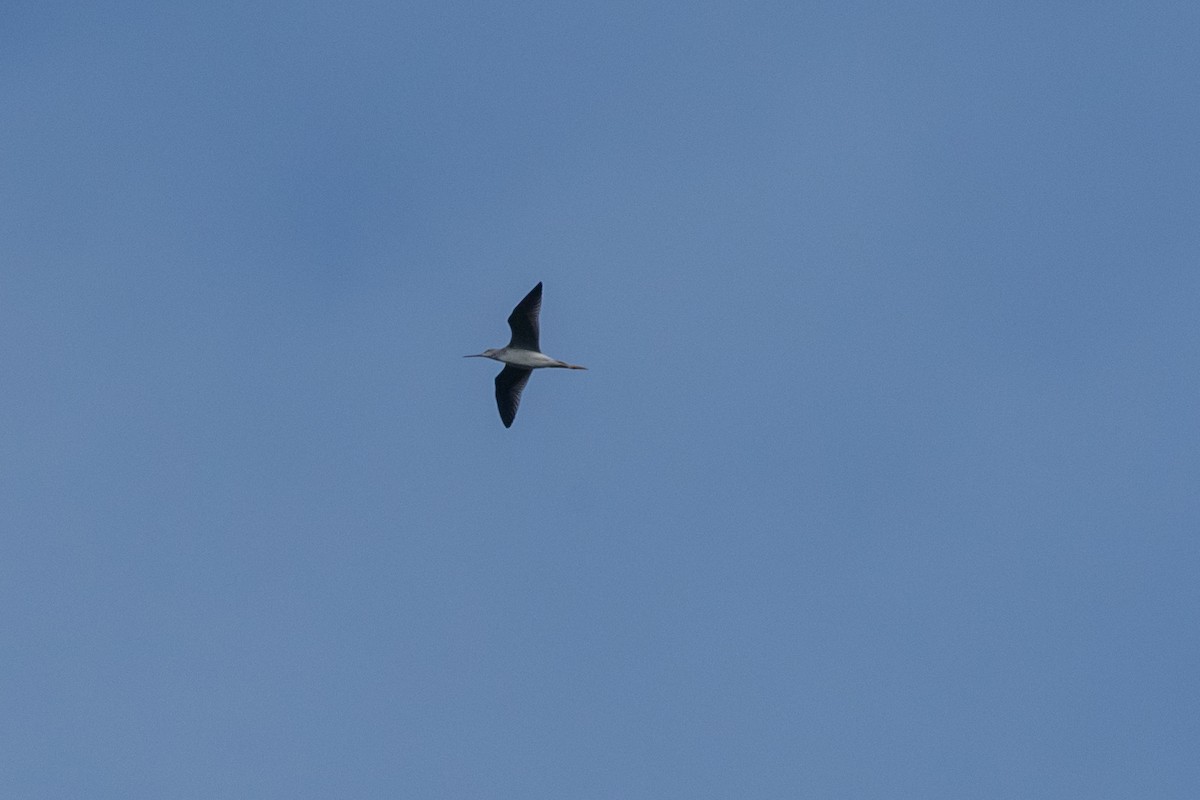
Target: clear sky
(883, 481)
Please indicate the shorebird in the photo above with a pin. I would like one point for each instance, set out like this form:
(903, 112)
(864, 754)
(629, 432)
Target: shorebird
(521, 357)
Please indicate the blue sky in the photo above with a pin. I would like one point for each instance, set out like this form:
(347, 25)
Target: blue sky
(882, 481)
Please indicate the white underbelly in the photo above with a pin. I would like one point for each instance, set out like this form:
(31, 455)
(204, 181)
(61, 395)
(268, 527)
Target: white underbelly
(528, 359)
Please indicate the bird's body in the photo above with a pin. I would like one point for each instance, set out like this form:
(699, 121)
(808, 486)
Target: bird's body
(529, 359)
(522, 355)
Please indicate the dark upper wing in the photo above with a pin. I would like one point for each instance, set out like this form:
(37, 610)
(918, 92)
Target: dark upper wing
(524, 321)
(509, 385)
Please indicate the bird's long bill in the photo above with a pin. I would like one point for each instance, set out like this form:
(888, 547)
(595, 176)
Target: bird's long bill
(476, 355)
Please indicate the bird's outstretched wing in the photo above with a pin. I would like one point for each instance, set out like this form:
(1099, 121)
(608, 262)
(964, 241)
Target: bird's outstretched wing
(509, 385)
(524, 321)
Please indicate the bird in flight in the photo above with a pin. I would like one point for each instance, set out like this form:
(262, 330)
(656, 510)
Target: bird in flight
(521, 357)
